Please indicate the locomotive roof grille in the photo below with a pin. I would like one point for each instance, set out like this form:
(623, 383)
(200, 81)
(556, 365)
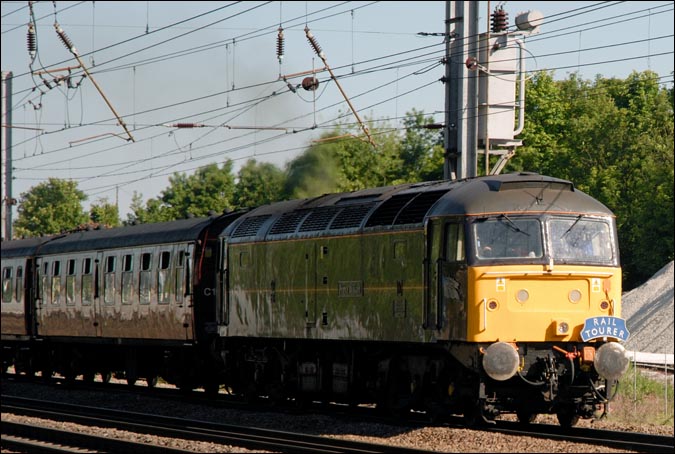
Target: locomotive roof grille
(387, 212)
(250, 226)
(351, 216)
(359, 199)
(416, 209)
(318, 219)
(288, 222)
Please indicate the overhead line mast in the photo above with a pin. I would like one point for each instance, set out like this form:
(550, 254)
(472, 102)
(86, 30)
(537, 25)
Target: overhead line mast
(481, 73)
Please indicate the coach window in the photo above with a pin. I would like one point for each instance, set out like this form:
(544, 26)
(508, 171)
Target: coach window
(7, 290)
(109, 280)
(70, 282)
(56, 282)
(145, 280)
(127, 278)
(163, 277)
(19, 283)
(454, 242)
(44, 291)
(180, 279)
(87, 282)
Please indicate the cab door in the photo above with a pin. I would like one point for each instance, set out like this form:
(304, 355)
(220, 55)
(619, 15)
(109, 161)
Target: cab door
(433, 236)
(452, 290)
(445, 279)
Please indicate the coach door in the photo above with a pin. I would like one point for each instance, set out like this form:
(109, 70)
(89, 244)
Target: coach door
(97, 312)
(183, 281)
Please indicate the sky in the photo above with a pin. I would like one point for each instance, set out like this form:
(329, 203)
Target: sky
(215, 65)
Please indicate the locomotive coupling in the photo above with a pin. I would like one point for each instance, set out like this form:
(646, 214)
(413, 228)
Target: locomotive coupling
(501, 361)
(611, 361)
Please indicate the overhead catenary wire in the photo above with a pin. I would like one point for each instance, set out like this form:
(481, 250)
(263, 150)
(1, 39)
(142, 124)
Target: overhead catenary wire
(554, 68)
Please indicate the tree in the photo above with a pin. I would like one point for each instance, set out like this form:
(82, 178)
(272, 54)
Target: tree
(613, 139)
(258, 183)
(209, 189)
(50, 207)
(420, 149)
(104, 213)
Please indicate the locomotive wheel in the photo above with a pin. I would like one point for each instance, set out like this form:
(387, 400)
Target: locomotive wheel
(567, 416)
(131, 378)
(472, 416)
(106, 377)
(152, 381)
(88, 377)
(47, 373)
(211, 388)
(525, 416)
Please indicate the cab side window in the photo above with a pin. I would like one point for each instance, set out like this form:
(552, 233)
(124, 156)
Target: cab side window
(454, 243)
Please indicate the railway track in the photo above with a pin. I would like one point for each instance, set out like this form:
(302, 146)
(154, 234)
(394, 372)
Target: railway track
(608, 438)
(248, 437)
(18, 437)
(630, 441)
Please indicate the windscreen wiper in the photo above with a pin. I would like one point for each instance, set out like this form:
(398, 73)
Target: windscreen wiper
(571, 226)
(511, 224)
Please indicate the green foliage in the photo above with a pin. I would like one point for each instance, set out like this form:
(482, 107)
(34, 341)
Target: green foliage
(104, 213)
(258, 183)
(614, 140)
(642, 398)
(209, 189)
(50, 207)
(421, 149)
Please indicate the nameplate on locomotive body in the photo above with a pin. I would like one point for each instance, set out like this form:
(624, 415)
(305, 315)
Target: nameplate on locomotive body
(604, 326)
(348, 289)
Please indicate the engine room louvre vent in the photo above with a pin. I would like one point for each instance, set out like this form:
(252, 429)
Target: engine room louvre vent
(414, 212)
(318, 219)
(288, 222)
(250, 226)
(351, 216)
(386, 213)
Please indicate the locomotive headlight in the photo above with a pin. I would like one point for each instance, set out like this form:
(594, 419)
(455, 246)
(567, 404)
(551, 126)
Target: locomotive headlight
(574, 296)
(500, 361)
(563, 328)
(522, 295)
(611, 361)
